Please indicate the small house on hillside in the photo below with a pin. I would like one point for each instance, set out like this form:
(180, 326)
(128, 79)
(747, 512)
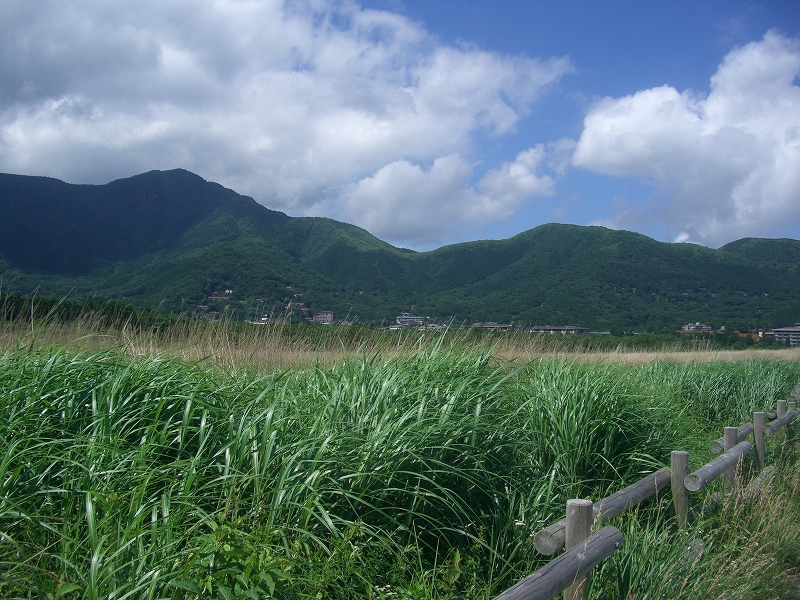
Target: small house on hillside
(325, 317)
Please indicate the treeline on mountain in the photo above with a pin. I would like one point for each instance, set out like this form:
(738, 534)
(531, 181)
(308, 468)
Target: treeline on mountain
(171, 240)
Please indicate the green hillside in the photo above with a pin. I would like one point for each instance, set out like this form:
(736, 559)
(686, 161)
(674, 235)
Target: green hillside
(172, 239)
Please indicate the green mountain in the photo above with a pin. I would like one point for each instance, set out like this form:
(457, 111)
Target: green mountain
(172, 239)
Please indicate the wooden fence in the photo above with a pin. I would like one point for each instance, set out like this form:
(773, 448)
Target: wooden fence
(570, 572)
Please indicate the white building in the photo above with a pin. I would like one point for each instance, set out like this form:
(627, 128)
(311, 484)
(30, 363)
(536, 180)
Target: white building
(788, 335)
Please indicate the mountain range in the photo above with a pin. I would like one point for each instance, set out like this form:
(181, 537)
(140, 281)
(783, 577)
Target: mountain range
(174, 240)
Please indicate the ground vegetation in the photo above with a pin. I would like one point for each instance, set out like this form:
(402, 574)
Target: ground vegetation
(395, 470)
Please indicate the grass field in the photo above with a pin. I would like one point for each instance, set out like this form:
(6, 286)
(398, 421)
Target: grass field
(223, 462)
(277, 345)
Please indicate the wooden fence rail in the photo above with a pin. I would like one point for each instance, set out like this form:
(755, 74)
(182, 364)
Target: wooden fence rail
(569, 573)
(708, 473)
(717, 446)
(781, 422)
(551, 539)
(549, 581)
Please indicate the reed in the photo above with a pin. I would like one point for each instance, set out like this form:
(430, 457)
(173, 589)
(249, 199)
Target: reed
(411, 466)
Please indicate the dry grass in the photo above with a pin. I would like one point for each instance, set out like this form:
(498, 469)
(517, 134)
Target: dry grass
(227, 345)
(276, 346)
(685, 356)
(525, 348)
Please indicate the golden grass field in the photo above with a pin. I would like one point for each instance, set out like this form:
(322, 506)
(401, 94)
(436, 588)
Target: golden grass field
(275, 346)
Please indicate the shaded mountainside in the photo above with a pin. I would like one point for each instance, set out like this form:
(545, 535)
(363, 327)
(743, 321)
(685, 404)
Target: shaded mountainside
(172, 239)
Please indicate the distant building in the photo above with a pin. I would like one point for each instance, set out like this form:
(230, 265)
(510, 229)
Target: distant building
(562, 329)
(494, 326)
(409, 320)
(788, 335)
(325, 317)
(264, 320)
(696, 328)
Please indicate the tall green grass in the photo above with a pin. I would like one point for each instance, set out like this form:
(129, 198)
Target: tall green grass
(418, 476)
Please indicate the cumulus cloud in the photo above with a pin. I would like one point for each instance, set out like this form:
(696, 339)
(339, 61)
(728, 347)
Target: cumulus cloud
(304, 105)
(728, 162)
(414, 206)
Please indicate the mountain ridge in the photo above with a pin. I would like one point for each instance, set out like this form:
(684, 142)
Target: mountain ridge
(170, 238)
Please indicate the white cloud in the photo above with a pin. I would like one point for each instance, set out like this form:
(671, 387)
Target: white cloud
(728, 162)
(406, 204)
(290, 102)
(402, 202)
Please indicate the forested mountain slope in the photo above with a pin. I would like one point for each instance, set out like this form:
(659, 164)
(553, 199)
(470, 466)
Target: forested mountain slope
(172, 239)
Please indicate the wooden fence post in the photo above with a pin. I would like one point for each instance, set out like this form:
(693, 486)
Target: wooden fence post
(780, 437)
(579, 528)
(551, 539)
(759, 421)
(731, 439)
(679, 469)
(717, 446)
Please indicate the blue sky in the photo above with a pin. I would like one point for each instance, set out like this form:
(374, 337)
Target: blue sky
(425, 122)
(617, 48)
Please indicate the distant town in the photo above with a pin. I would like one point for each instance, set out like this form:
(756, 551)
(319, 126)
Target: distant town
(782, 335)
(789, 335)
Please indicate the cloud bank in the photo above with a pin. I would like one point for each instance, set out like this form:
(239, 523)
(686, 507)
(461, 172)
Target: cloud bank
(312, 107)
(727, 163)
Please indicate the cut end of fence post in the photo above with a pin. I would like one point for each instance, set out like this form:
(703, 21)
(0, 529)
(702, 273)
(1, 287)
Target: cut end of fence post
(693, 483)
(548, 542)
